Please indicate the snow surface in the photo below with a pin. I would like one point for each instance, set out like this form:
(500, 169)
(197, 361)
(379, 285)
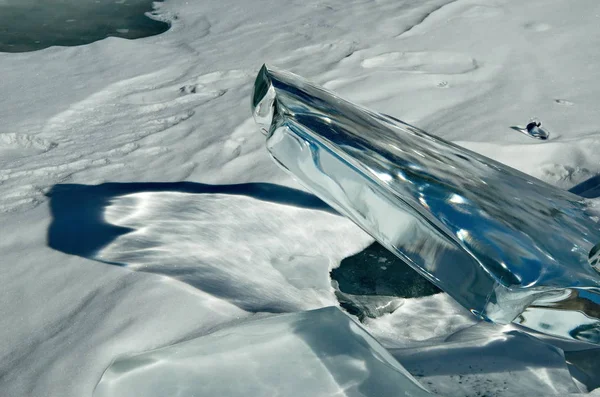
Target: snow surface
(93, 273)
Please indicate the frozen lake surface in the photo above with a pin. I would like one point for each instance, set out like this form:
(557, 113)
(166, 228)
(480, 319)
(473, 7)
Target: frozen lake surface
(29, 25)
(139, 207)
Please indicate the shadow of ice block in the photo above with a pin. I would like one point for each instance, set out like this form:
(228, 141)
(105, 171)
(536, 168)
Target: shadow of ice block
(315, 353)
(508, 247)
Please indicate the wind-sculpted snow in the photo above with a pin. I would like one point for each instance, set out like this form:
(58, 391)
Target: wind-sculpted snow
(316, 353)
(505, 245)
(234, 242)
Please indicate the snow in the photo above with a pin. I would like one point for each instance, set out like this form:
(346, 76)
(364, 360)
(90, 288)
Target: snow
(232, 241)
(137, 260)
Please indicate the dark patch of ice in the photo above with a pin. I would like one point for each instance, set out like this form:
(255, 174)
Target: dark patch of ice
(30, 25)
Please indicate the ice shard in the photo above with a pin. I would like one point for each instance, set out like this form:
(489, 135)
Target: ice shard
(319, 353)
(505, 245)
(533, 129)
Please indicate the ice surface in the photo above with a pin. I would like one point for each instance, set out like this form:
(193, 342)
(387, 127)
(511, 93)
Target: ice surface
(28, 25)
(483, 355)
(113, 111)
(503, 244)
(316, 353)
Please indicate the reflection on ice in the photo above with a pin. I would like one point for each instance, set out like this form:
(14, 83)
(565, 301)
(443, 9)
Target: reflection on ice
(503, 244)
(315, 353)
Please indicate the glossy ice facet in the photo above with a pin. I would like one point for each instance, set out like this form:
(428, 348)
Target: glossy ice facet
(503, 244)
(319, 353)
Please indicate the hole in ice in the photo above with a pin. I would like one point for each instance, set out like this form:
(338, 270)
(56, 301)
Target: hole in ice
(563, 102)
(371, 282)
(29, 25)
(376, 271)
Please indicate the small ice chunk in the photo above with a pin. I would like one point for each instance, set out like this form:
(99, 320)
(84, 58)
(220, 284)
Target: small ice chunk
(533, 129)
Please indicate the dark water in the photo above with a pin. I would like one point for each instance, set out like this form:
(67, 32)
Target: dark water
(29, 25)
(369, 282)
(376, 271)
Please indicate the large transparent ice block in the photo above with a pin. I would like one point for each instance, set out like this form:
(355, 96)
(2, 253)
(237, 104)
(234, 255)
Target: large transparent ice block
(505, 245)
